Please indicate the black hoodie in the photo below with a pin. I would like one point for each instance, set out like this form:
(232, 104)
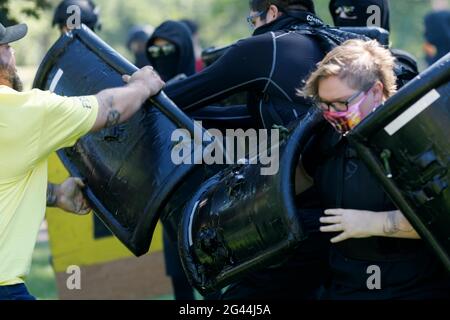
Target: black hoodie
(181, 62)
(437, 33)
(356, 13)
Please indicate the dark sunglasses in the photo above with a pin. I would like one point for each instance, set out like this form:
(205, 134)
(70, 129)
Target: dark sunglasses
(160, 51)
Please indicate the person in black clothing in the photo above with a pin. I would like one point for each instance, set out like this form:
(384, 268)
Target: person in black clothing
(358, 13)
(437, 35)
(369, 233)
(170, 50)
(171, 53)
(269, 66)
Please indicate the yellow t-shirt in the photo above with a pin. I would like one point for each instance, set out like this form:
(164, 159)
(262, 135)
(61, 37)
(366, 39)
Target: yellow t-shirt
(33, 124)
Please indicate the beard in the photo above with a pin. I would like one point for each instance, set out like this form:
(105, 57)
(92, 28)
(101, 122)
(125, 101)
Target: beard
(10, 77)
(16, 82)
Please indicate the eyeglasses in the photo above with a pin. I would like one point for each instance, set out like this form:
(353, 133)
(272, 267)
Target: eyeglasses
(159, 51)
(251, 19)
(339, 106)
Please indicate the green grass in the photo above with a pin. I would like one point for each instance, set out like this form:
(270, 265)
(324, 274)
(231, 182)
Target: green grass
(42, 282)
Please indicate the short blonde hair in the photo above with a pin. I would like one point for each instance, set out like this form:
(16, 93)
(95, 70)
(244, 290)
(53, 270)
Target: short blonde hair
(359, 63)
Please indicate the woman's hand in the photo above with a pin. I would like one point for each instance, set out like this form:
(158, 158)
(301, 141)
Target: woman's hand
(365, 224)
(351, 223)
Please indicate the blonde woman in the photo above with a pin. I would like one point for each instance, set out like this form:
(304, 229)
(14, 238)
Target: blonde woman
(376, 253)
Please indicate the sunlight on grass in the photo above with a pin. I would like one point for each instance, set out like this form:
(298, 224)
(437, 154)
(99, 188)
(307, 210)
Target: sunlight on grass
(42, 282)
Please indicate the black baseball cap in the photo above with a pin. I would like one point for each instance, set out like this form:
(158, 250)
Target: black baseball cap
(13, 33)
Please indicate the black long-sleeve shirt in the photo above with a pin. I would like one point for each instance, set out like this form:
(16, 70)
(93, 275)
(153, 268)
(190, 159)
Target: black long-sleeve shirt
(270, 67)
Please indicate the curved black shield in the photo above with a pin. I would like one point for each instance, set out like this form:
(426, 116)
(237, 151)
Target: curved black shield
(406, 143)
(241, 220)
(128, 168)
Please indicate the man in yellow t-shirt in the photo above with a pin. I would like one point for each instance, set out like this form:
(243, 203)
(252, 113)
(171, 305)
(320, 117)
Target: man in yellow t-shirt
(33, 125)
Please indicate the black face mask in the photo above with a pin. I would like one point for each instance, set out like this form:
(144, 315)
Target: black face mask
(167, 66)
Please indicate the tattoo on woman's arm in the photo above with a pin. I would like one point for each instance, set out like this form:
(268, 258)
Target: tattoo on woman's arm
(51, 195)
(392, 225)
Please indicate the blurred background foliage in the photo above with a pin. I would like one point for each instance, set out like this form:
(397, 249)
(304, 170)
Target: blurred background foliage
(222, 21)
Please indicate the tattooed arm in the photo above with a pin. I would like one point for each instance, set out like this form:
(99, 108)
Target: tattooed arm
(364, 224)
(120, 104)
(397, 226)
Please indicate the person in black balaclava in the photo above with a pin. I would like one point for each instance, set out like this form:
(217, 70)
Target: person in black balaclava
(170, 50)
(357, 13)
(437, 35)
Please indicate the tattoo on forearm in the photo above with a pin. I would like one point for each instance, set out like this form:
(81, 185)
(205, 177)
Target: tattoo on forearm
(113, 118)
(392, 225)
(51, 195)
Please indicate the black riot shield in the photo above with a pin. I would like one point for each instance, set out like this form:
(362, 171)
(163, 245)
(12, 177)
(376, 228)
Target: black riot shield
(128, 168)
(240, 220)
(406, 143)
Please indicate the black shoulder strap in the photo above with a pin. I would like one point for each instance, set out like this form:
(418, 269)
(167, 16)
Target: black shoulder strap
(328, 37)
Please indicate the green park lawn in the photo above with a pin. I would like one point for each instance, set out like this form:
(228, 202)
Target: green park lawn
(42, 282)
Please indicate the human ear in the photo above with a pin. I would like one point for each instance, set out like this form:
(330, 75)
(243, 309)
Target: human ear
(273, 12)
(378, 92)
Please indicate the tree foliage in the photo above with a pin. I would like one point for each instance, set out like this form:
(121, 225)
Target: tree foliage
(30, 8)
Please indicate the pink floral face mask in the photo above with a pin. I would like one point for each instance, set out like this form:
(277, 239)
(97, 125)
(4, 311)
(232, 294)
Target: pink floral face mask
(344, 121)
